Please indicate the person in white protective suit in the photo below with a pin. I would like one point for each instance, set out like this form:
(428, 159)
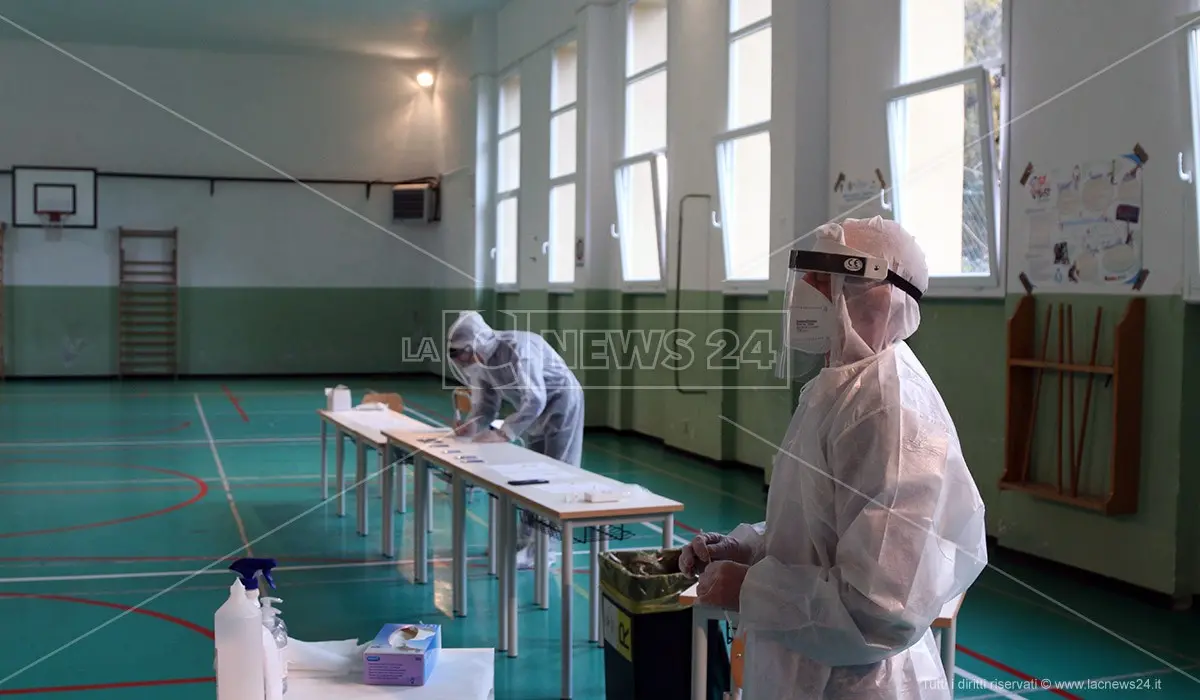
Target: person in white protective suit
(873, 521)
(521, 369)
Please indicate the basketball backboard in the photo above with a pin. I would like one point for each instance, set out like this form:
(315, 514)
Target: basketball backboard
(69, 193)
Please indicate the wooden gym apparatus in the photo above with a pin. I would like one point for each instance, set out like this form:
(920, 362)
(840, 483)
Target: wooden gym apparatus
(1025, 375)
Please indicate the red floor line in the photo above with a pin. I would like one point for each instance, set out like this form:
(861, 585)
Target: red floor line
(105, 686)
(233, 399)
(201, 492)
(998, 665)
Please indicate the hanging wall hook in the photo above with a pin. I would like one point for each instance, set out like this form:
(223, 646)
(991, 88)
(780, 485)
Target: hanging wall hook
(715, 221)
(1185, 175)
(883, 199)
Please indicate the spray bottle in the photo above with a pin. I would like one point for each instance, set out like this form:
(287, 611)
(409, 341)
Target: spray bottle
(249, 569)
(237, 632)
(274, 664)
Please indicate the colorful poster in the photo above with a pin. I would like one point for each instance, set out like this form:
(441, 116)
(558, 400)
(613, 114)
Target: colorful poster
(1085, 223)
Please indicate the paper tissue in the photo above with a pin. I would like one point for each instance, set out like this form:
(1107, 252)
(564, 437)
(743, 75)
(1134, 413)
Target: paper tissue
(337, 398)
(402, 655)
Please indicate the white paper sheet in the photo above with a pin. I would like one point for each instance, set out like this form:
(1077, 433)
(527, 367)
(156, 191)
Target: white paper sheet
(577, 487)
(522, 472)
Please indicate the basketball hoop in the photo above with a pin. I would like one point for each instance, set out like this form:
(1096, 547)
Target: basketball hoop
(52, 221)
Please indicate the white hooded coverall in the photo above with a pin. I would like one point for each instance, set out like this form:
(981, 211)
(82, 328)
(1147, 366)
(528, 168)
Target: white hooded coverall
(873, 521)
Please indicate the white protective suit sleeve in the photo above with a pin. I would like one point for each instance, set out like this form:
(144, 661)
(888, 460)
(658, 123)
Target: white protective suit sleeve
(891, 574)
(532, 386)
(485, 406)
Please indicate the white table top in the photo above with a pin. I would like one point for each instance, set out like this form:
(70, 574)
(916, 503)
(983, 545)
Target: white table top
(461, 674)
(546, 499)
(369, 425)
(944, 619)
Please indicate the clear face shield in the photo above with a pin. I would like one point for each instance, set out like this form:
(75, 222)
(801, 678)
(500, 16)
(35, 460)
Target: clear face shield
(819, 282)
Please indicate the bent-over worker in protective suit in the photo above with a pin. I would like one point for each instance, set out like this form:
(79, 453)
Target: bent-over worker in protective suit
(521, 369)
(873, 521)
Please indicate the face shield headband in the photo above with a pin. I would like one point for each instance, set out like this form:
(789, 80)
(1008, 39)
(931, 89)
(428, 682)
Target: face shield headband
(835, 259)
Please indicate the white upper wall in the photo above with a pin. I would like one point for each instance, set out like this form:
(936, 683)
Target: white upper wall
(1057, 45)
(308, 116)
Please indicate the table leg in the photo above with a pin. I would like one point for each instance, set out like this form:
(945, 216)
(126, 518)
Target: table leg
(388, 476)
(699, 654)
(594, 586)
(420, 546)
(458, 530)
(324, 461)
(567, 598)
(544, 572)
(510, 563)
(429, 504)
(539, 564)
(669, 532)
(340, 439)
(948, 640)
(360, 485)
(402, 484)
(493, 541)
(502, 556)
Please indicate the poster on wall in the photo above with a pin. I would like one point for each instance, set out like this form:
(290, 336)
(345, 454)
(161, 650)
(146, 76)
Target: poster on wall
(855, 194)
(1085, 223)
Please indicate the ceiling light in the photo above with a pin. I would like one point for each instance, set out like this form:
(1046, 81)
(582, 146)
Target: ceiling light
(425, 79)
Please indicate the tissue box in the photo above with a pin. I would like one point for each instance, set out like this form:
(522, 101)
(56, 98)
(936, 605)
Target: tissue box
(388, 662)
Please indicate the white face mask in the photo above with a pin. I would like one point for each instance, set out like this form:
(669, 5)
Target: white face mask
(809, 320)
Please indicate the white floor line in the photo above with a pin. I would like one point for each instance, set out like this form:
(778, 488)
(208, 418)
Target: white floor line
(215, 571)
(231, 442)
(675, 537)
(1083, 684)
(979, 681)
(237, 517)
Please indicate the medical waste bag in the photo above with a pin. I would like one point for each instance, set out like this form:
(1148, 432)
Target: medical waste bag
(648, 634)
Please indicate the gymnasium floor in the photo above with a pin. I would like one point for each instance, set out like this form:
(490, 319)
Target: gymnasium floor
(112, 495)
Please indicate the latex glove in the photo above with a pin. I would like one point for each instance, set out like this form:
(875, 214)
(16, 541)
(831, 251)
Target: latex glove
(721, 584)
(464, 429)
(490, 436)
(708, 547)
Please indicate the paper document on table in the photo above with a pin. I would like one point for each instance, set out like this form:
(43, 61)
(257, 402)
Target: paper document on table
(380, 420)
(524, 472)
(576, 487)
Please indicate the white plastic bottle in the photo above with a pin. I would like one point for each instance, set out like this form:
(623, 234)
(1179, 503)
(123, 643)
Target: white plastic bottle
(238, 631)
(274, 624)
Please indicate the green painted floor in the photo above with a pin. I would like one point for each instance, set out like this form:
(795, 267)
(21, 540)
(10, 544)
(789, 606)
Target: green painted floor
(115, 496)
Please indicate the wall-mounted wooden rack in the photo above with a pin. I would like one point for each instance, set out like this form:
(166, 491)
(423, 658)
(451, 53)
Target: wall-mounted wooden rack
(1026, 371)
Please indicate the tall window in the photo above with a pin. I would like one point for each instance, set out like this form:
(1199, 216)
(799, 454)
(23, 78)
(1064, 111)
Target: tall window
(641, 174)
(744, 150)
(563, 140)
(1192, 238)
(944, 136)
(508, 180)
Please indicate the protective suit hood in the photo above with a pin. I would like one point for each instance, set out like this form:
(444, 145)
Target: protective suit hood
(469, 331)
(871, 302)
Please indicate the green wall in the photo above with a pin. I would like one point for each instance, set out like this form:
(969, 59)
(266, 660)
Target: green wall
(56, 331)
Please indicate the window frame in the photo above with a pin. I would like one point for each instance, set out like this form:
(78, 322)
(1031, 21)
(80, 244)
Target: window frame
(657, 157)
(994, 283)
(1190, 78)
(555, 182)
(501, 196)
(660, 219)
(723, 144)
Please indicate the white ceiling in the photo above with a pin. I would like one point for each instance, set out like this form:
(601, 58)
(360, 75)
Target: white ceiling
(397, 28)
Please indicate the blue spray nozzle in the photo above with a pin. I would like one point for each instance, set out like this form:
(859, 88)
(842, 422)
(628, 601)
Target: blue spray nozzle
(249, 569)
